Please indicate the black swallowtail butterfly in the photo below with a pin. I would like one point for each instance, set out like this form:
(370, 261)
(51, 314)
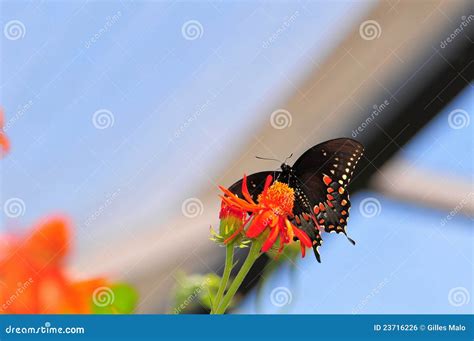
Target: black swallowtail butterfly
(319, 178)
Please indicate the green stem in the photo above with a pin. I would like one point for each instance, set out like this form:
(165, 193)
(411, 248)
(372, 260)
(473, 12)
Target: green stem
(252, 256)
(229, 259)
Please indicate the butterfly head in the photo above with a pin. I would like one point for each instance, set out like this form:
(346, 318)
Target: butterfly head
(286, 168)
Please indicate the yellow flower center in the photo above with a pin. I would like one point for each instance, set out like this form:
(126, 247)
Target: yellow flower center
(279, 197)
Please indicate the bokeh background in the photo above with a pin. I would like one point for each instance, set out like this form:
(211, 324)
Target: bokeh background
(126, 115)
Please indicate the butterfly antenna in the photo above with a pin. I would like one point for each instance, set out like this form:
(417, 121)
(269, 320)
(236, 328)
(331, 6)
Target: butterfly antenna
(289, 157)
(265, 158)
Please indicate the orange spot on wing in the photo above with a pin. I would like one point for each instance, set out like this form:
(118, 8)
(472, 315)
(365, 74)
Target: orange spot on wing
(327, 180)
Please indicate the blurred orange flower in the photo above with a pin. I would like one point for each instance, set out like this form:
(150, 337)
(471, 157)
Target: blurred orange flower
(4, 143)
(33, 279)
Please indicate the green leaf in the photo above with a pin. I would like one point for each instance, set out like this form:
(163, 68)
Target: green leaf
(119, 298)
(194, 291)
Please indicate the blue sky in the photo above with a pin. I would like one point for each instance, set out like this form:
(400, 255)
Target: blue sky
(407, 258)
(132, 59)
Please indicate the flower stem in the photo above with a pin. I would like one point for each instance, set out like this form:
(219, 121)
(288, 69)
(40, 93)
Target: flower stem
(252, 256)
(229, 259)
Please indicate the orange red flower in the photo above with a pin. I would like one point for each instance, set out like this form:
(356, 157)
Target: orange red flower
(33, 279)
(4, 143)
(232, 219)
(271, 215)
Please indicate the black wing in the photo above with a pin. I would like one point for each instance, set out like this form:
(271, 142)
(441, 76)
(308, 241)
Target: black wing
(255, 183)
(323, 173)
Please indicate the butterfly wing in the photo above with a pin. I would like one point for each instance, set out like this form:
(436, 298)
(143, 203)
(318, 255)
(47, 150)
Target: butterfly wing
(322, 173)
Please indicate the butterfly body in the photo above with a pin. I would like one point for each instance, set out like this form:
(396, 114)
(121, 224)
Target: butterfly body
(319, 178)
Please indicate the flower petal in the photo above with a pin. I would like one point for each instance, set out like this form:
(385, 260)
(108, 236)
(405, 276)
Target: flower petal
(245, 191)
(259, 224)
(303, 250)
(271, 239)
(290, 231)
(268, 182)
(302, 236)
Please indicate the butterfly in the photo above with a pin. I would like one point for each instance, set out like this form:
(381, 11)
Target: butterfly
(319, 178)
